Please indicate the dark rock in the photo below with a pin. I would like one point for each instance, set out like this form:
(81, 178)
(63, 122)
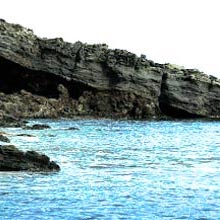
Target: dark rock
(12, 159)
(37, 127)
(25, 135)
(73, 129)
(4, 138)
(49, 78)
(190, 94)
(7, 120)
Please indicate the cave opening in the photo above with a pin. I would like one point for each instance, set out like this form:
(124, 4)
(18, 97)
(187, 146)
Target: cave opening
(174, 112)
(14, 78)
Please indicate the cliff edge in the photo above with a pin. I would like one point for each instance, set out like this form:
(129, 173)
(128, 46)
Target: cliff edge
(52, 78)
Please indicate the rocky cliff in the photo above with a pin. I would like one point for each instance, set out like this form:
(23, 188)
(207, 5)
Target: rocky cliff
(53, 78)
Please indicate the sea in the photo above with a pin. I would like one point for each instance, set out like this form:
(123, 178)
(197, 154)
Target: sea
(111, 170)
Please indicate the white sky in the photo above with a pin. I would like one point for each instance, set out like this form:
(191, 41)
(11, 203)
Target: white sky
(183, 32)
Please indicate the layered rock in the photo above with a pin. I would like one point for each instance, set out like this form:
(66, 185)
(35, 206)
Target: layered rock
(13, 159)
(53, 78)
(190, 94)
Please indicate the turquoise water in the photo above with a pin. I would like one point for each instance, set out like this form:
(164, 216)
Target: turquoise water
(118, 170)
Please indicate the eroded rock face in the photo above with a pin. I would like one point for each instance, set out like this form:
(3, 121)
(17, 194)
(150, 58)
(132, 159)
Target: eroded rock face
(53, 78)
(12, 159)
(190, 94)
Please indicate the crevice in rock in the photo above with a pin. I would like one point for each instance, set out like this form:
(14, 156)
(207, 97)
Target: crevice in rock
(77, 57)
(112, 75)
(161, 98)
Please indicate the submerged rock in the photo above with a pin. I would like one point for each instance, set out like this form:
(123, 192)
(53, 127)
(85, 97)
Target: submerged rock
(52, 78)
(73, 129)
(12, 159)
(25, 135)
(37, 127)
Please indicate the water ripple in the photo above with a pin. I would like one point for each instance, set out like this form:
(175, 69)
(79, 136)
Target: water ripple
(118, 170)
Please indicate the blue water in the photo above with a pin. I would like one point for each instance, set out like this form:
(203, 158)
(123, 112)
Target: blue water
(118, 170)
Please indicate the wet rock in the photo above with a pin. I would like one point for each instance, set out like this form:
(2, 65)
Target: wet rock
(4, 138)
(7, 120)
(37, 127)
(3, 133)
(13, 159)
(25, 135)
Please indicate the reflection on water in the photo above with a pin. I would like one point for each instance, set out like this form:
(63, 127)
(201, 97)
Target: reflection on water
(118, 170)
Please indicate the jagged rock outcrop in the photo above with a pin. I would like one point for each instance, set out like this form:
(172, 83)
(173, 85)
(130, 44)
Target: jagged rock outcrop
(3, 138)
(9, 120)
(52, 78)
(13, 159)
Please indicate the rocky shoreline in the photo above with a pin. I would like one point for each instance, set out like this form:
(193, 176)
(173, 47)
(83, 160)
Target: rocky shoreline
(50, 78)
(13, 159)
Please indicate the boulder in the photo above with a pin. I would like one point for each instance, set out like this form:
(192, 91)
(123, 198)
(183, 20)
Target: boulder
(7, 120)
(4, 138)
(13, 159)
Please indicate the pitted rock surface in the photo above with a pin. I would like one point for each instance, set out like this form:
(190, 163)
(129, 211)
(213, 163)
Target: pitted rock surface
(52, 78)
